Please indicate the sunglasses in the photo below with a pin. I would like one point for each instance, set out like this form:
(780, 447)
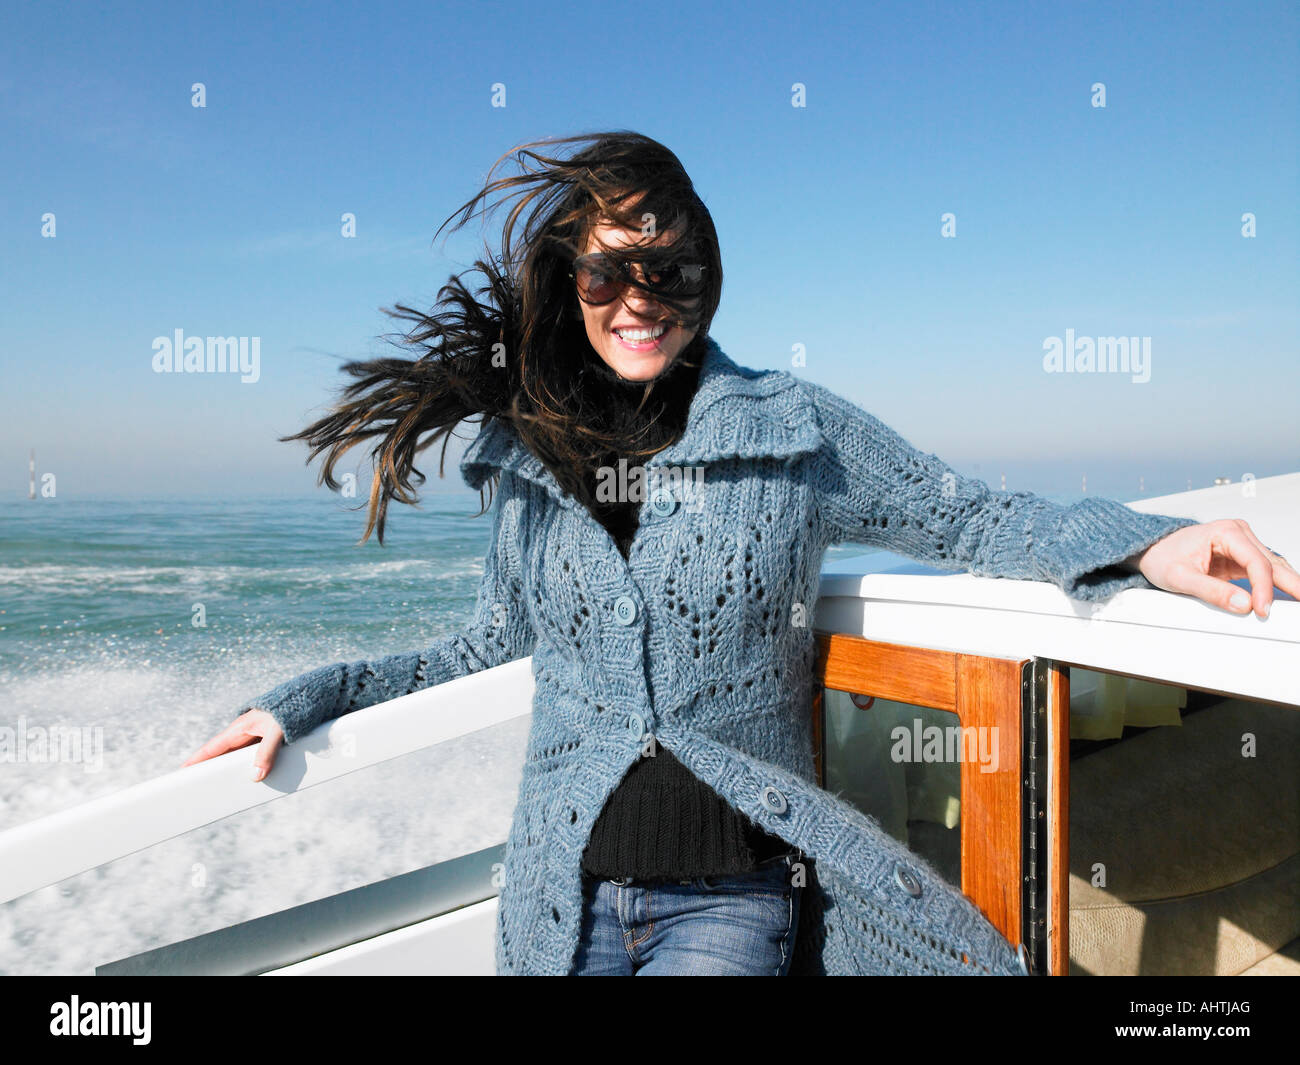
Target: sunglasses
(600, 278)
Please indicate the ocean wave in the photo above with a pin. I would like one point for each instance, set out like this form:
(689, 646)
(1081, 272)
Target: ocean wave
(93, 579)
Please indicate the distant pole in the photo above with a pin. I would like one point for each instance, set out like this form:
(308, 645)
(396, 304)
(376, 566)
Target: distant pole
(31, 475)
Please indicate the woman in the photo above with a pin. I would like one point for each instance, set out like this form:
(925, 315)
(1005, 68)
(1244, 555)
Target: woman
(661, 515)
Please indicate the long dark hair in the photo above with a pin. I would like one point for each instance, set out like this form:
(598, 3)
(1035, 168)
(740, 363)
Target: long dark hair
(517, 348)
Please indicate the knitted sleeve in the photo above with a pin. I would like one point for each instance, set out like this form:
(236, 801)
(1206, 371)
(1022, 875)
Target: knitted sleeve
(499, 632)
(873, 487)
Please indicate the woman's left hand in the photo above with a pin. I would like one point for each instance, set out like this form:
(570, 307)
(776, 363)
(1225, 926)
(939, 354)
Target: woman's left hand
(1200, 560)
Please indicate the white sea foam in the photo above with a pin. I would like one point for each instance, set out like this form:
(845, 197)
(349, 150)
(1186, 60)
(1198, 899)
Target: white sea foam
(375, 823)
(95, 635)
(96, 580)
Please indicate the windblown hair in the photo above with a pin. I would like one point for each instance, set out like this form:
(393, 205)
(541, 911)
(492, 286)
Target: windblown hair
(516, 348)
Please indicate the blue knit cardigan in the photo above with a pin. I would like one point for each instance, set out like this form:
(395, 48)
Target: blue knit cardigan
(703, 639)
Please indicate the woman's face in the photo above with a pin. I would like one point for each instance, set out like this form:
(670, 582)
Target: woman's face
(631, 310)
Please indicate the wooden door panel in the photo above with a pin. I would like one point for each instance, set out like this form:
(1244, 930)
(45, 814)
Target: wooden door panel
(989, 694)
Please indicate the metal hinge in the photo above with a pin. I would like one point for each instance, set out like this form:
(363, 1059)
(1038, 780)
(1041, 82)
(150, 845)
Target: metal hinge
(1033, 806)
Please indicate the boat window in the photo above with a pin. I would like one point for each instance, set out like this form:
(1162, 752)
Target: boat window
(1184, 831)
(901, 764)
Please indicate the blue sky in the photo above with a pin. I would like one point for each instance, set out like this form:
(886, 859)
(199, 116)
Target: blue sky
(224, 220)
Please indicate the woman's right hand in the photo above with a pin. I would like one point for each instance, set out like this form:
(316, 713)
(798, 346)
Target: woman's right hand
(251, 726)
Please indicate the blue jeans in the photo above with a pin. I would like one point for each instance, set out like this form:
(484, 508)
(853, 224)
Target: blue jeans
(739, 925)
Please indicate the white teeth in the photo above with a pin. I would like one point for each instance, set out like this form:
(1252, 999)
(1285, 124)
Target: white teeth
(636, 335)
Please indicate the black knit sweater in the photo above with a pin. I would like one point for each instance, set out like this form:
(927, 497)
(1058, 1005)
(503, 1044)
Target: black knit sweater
(661, 822)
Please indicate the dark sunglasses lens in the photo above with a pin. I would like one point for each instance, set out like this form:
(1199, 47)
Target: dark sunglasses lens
(596, 283)
(675, 278)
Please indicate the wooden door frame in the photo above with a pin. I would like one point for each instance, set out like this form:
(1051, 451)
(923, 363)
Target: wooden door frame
(1017, 876)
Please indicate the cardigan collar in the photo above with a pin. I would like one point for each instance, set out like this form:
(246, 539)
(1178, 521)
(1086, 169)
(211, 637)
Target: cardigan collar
(735, 412)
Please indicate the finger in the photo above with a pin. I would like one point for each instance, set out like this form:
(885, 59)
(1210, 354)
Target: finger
(1211, 590)
(264, 758)
(1243, 550)
(1286, 578)
(231, 738)
(1284, 574)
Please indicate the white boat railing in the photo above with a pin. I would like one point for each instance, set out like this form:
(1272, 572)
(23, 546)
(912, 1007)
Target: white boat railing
(49, 849)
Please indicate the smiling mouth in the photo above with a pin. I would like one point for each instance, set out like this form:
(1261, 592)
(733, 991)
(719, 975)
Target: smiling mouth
(640, 334)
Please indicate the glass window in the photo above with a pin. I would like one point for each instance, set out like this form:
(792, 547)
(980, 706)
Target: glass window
(901, 764)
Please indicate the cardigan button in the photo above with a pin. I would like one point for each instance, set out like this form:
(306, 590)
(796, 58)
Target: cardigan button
(774, 801)
(625, 610)
(906, 879)
(662, 502)
(636, 724)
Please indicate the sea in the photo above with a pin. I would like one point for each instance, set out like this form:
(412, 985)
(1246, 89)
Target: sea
(148, 622)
